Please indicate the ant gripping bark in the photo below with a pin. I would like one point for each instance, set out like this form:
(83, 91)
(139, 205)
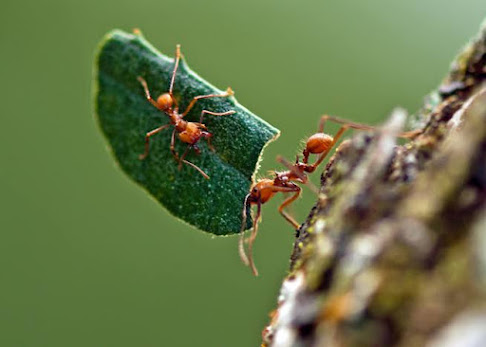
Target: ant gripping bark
(286, 182)
(188, 132)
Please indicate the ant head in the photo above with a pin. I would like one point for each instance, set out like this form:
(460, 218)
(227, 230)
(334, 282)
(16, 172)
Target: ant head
(261, 191)
(318, 143)
(165, 101)
(254, 195)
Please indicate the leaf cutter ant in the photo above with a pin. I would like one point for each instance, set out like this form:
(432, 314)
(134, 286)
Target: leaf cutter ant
(188, 132)
(287, 181)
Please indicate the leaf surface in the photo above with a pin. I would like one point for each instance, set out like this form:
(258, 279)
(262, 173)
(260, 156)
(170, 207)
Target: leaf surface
(125, 116)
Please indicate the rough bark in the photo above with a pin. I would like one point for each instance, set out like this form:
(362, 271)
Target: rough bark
(394, 251)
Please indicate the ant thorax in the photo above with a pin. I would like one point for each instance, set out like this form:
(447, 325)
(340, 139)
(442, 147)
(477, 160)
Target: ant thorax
(296, 174)
(281, 177)
(178, 122)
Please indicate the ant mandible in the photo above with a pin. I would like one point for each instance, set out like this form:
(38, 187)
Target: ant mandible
(286, 182)
(188, 132)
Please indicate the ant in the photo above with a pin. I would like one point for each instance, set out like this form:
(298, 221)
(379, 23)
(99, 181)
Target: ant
(286, 182)
(188, 132)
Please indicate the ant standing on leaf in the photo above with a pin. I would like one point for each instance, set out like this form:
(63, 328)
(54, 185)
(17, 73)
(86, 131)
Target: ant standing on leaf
(286, 182)
(188, 132)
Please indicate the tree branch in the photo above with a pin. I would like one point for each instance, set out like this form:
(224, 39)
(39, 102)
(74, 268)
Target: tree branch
(392, 254)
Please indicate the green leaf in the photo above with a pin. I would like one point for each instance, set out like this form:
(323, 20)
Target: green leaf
(125, 116)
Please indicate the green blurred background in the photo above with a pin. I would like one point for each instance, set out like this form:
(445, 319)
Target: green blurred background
(87, 258)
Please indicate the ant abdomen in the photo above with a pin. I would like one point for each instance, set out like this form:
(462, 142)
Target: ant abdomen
(318, 143)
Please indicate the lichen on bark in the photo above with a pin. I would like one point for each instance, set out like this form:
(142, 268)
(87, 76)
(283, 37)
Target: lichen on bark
(392, 254)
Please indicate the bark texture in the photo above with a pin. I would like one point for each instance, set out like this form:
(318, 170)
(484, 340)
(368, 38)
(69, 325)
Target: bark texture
(394, 251)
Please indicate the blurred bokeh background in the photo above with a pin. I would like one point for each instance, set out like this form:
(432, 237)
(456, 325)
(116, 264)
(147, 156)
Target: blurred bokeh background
(86, 257)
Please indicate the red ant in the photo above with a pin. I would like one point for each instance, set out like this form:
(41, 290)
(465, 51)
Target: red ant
(285, 182)
(188, 132)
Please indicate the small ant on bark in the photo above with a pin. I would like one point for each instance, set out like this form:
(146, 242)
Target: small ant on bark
(286, 182)
(188, 132)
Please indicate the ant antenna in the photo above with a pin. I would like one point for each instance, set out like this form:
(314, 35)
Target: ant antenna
(241, 245)
(252, 238)
(248, 258)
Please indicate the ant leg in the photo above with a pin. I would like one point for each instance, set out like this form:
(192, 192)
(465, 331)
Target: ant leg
(147, 138)
(207, 136)
(322, 122)
(287, 202)
(288, 189)
(196, 149)
(324, 154)
(410, 134)
(228, 92)
(147, 92)
(177, 158)
(183, 156)
(174, 72)
(227, 113)
(345, 122)
(345, 126)
(359, 126)
(350, 125)
(172, 146)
